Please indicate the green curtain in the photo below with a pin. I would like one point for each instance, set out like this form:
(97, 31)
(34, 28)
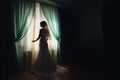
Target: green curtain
(22, 13)
(52, 17)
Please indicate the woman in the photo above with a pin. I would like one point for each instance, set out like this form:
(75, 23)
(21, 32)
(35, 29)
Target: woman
(44, 63)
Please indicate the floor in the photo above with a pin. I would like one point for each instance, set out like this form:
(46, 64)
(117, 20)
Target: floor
(72, 73)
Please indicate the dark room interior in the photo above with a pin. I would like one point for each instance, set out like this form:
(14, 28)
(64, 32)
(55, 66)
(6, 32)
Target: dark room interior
(90, 39)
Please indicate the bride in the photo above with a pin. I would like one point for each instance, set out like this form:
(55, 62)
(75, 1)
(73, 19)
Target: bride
(44, 63)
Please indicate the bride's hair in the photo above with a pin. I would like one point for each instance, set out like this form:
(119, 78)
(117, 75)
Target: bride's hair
(43, 24)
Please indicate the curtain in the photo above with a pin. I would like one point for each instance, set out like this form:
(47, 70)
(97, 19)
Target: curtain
(22, 17)
(23, 12)
(52, 17)
(26, 18)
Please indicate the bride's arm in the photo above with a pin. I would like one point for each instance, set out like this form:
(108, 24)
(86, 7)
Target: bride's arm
(37, 38)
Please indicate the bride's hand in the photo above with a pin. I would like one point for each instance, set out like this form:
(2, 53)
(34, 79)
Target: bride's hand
(33, 41)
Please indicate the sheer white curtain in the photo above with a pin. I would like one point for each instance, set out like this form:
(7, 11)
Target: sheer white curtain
(28, 52)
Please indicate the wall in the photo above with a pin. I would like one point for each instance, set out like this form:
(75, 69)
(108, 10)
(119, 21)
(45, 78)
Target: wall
(111, 29)
(82, 35)
(8, 59)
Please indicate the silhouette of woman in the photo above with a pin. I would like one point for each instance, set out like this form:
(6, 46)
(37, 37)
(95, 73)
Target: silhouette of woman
(44, 63)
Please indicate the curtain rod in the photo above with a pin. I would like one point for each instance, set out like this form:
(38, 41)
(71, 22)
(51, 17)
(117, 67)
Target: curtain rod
(51, 2)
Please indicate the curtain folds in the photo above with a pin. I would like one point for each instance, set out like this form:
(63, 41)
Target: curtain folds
(23, 12)
(52, 16)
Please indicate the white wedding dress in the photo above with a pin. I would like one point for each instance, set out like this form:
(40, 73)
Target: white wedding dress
(45, 65)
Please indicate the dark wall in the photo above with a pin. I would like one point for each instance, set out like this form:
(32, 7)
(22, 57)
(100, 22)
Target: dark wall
(111, 29)
(8, 57)
(68, 37)
(91, 35)
(82, 36)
